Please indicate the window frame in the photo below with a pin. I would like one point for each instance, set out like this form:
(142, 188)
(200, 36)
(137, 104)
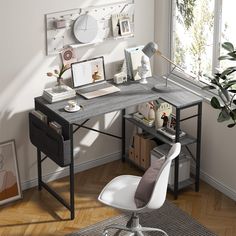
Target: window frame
(216, 42)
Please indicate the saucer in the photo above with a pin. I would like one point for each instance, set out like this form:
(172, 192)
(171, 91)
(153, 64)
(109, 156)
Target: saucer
(68, 109)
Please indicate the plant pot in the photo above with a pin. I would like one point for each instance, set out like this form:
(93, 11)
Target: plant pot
(59, 88)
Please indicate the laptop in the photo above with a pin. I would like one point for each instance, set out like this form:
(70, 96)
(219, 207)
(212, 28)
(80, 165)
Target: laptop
(89, 80)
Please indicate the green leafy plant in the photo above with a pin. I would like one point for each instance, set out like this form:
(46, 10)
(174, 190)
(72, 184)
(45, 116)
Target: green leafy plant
(224, 82)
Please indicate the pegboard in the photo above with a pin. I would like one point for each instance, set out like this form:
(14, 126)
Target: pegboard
(59, 25)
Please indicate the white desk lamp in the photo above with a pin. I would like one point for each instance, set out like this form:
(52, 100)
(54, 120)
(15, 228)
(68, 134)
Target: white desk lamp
(149, 50)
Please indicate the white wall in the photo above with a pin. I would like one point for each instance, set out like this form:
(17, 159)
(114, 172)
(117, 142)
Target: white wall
(218, 159)
(24, 65)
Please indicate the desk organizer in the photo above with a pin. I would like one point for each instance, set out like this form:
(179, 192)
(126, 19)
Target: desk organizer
(48, 141)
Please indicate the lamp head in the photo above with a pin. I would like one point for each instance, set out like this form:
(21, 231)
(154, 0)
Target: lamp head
(150, 49)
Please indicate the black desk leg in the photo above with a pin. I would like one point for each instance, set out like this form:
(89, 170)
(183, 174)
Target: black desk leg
(39, 169)
(176, 179)
(72, 190)
(198, 151)
(123, 135)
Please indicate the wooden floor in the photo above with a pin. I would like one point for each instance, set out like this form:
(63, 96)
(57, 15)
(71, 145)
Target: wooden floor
(39, 214)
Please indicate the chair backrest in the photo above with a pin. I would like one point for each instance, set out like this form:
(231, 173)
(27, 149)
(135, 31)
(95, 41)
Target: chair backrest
(160, 188)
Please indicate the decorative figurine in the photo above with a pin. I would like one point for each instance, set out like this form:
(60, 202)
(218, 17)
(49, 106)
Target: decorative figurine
(143, 69)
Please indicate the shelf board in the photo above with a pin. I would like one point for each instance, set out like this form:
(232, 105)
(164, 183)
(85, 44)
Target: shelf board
(185, 140)
(183, 184)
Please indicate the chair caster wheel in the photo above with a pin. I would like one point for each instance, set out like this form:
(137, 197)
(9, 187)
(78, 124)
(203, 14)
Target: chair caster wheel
(105, 233)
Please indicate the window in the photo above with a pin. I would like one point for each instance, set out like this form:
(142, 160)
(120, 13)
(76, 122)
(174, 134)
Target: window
(228, 25)
(199, 28)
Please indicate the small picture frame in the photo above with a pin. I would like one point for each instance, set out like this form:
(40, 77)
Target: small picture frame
(172, 122)
(10, 189)
(125, 28)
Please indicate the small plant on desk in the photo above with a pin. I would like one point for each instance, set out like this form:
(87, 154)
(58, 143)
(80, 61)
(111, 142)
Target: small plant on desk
(58, 74)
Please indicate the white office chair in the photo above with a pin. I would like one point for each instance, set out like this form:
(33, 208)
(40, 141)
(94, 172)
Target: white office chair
(120, 193)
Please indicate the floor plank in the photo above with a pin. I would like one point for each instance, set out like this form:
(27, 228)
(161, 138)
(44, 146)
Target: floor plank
(39, 214)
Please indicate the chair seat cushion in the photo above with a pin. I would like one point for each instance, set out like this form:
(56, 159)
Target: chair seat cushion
(146, 184)
(119, 192)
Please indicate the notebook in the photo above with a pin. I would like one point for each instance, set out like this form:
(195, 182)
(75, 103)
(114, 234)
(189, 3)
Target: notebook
(89, 78)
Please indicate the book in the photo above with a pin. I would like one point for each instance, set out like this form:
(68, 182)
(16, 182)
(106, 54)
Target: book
(55, 99)
(163, 112)
(133, 58)
(57, 127)
(40, 115)
(170, 133)
(58, 93)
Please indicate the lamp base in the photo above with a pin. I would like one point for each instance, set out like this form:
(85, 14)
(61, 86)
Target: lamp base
(162, 88)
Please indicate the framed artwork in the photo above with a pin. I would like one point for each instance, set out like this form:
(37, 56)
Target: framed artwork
(9, 176)
(125, 28)
(172, 121)
(68, 56)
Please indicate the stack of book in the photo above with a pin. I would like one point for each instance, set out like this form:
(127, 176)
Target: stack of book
(58, 93)
(170, 133)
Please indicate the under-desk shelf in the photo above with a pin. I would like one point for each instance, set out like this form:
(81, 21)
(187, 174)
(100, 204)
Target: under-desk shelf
(185, 140)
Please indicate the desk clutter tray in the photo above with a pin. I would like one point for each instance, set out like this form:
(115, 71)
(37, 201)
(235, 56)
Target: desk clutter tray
(49, 141)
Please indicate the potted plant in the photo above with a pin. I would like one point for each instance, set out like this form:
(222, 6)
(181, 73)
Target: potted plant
(58, 74)
(225, 84)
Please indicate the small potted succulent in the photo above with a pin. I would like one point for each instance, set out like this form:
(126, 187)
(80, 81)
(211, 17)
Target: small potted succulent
(225, 84)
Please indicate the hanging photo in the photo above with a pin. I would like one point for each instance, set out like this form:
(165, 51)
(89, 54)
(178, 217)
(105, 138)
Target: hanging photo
(9, 177)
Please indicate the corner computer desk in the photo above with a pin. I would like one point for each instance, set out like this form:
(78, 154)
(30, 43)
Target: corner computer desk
(60, 148)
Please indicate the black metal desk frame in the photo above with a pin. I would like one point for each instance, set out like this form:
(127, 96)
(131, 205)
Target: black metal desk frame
(198, 143)
(131, 95)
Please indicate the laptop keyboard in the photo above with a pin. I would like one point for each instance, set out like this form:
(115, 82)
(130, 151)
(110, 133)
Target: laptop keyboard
(94, 87)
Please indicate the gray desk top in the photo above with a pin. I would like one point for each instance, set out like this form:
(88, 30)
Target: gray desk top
(132, 93)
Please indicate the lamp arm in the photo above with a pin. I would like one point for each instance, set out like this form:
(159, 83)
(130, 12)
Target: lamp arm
(167, 59)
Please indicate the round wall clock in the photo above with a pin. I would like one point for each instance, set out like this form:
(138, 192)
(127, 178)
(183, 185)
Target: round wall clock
(85, 28)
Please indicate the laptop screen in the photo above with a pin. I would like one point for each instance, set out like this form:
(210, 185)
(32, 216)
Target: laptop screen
(88, 72)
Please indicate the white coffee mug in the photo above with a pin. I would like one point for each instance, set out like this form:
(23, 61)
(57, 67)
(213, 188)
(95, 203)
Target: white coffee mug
(72, 104)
